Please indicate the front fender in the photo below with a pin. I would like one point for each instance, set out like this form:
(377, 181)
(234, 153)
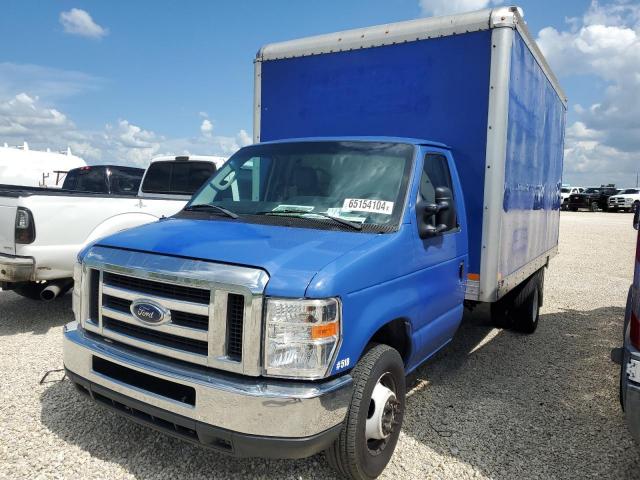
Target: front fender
(366, 311)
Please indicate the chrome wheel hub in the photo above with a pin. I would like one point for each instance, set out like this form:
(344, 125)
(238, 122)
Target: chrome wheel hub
(382, 413)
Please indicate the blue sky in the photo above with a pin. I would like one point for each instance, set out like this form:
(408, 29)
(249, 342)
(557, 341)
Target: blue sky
(145, 77)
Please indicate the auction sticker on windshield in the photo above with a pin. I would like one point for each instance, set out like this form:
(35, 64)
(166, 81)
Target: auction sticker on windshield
(364, 205)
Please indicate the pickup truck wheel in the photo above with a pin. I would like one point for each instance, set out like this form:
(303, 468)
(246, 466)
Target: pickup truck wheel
(594, 206)
(29, 290)
(372, 426)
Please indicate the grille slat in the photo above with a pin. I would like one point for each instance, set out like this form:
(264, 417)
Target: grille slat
(167, 290)
(153, 336)
(183, 319)
(235, 320)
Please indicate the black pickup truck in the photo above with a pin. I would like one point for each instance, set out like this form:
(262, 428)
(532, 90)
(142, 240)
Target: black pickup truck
(593, 198)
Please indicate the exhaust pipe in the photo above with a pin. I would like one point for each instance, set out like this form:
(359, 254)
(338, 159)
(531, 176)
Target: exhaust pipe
(54, 289)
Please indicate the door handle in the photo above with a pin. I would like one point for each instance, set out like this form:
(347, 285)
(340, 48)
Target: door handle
(461, 270)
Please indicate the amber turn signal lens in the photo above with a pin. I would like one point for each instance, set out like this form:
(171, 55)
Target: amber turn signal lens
(324, 331)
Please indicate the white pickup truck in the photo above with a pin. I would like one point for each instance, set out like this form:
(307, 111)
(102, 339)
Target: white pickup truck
(627, 199)
(42, 230)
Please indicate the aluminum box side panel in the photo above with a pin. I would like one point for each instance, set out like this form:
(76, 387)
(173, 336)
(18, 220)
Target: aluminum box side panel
(533, 165)
(434, 89)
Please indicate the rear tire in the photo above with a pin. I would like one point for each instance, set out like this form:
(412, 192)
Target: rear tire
(520, 308)
(358, 453)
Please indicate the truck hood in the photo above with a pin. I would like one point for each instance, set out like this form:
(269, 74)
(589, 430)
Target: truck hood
(291, 256)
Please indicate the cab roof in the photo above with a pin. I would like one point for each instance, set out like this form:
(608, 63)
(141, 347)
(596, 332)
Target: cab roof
(406, 140)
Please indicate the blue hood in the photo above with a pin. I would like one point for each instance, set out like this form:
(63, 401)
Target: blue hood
(291, 256)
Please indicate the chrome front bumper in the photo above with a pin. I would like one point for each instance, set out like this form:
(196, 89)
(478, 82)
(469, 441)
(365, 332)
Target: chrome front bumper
(16, 269)
(254, 407)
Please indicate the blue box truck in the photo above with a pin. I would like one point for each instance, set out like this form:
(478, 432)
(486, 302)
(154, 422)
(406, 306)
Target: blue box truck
(399, 173)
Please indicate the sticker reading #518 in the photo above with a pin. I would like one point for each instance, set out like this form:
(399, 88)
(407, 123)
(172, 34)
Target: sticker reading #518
(364, 205)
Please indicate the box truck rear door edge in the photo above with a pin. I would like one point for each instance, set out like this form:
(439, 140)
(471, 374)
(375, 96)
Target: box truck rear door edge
(8, 208)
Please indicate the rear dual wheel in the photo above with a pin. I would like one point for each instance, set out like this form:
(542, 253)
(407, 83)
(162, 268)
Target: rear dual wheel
(520, 308)
(372, 426)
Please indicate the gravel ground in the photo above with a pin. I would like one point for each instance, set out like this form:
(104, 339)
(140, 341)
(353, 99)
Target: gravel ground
(494, 405)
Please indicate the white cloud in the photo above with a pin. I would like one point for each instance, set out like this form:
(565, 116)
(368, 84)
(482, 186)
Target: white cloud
(44, 82)
(24, 117)
(78, 22)
(604, 140)
(24, 114)
(206, 128)
(243, 138)
(448, 7)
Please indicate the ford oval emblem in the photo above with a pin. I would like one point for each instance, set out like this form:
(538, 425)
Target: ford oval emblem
(149, 312)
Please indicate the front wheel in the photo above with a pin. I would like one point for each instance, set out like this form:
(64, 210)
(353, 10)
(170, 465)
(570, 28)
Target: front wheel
(594, 206)
(372, 426)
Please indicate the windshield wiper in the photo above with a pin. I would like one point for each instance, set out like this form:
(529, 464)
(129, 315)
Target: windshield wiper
(342, 221)
(209, 206)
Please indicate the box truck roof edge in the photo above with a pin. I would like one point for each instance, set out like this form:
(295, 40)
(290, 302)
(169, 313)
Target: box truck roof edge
(408, 31)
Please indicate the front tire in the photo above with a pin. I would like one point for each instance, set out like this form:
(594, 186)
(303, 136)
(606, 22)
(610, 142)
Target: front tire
(372, 426)
(594, 206)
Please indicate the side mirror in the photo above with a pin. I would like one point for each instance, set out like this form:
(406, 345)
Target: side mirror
(442, 210)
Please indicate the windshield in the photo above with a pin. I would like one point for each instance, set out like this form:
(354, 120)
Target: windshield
(565, 190)
(361, 182)
(592, 190)
(630, 191)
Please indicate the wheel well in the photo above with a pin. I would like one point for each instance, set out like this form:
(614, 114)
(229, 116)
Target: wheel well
(396, 335)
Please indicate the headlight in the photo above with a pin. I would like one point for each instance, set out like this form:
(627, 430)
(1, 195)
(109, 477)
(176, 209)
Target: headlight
(76, 299)
(301, 337)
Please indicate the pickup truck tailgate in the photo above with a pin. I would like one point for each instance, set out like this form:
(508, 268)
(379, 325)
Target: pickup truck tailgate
(7, 228)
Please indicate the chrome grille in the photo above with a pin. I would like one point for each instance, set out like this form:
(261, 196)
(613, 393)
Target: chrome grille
(165, 290)
(212, 321)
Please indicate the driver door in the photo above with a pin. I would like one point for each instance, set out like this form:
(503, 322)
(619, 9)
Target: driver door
(442, 259)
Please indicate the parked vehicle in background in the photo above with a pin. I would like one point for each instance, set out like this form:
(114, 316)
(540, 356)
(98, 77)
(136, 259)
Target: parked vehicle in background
(627, 200)
(42, 230)
(107, 179)
(177, 177)
(278, 313)
(593, 198)
(629, 355)
(566, 192)
(34, 168)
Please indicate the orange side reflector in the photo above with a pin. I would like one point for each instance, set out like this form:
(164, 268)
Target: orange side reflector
(324, 331)
(473, 276)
